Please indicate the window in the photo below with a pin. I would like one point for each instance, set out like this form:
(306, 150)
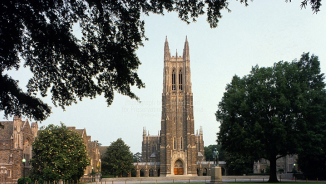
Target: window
(180, 79)
(173, 79)
(181, 142)
(9, 173)
(174, 143)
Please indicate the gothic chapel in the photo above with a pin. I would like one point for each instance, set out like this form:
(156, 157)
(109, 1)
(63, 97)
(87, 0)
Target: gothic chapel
(177, 150)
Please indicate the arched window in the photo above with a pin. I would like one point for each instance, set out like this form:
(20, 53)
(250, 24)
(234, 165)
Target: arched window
(173, 79)
(151, 173)
(180, 79)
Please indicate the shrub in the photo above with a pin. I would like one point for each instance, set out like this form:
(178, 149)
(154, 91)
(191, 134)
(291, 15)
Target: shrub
(27, 180)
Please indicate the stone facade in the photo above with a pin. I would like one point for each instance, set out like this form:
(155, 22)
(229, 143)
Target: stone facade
(176, 150)
(92, 151)
(16, 140)
(287, 164)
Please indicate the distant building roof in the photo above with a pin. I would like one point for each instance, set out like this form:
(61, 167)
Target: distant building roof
(102, 150)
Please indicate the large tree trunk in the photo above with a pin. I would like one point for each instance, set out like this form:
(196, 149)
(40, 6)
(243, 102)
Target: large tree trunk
(272, 175)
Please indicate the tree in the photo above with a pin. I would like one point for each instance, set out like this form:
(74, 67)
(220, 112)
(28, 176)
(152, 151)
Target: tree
(209, 152)
(117, 159)
(59, 153)
(136, 157)
(38, 35)
(312, 157)
(236, 164)
(239, 164)
(270, 112)
(312, 164)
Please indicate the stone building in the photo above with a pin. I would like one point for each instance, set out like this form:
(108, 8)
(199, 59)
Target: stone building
(285, 164)
(93, 152)
(176, 149)
(16, 140)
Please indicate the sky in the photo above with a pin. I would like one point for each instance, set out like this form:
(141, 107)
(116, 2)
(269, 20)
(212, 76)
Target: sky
(260, 34)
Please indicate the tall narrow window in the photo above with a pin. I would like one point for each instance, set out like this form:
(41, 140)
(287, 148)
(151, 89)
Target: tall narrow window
(9, 173)
(180, 79)
(181, 143)
(173, 80)
(174, 143)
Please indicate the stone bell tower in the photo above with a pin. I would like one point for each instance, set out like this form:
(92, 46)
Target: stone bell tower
(178, 153)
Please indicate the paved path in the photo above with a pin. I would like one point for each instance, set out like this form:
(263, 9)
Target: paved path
(190, 179)
(181, 179)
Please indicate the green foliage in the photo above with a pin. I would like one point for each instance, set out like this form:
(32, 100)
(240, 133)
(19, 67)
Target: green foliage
(239, 164)
(209, 152)
(38, 35)
(136, 157)
(268, 170)
(92, 173)
(117, 159)
(313, 165)
(27, 180)
(58, 154)
(274, 111)
(281, 170)
(312, 157)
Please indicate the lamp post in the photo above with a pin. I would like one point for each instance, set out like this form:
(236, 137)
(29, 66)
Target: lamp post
(92, 173)
(24, 160)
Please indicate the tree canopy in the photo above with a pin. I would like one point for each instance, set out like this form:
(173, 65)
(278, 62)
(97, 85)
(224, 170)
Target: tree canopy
(239, 164)
(274, 111)
(117, 159)
(58, 153)
(38, 35)
(136, 157)
(209, 152)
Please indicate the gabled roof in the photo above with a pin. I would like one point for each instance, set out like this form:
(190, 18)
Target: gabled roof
(153, 155)
(92, 144)
(26, 127)
(81, 132)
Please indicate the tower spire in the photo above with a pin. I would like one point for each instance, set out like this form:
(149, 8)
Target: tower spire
(144, 131)
(166, 50)
(186, 50)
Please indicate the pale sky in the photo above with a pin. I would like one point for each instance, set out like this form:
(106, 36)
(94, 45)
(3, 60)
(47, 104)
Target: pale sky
(261, 34)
